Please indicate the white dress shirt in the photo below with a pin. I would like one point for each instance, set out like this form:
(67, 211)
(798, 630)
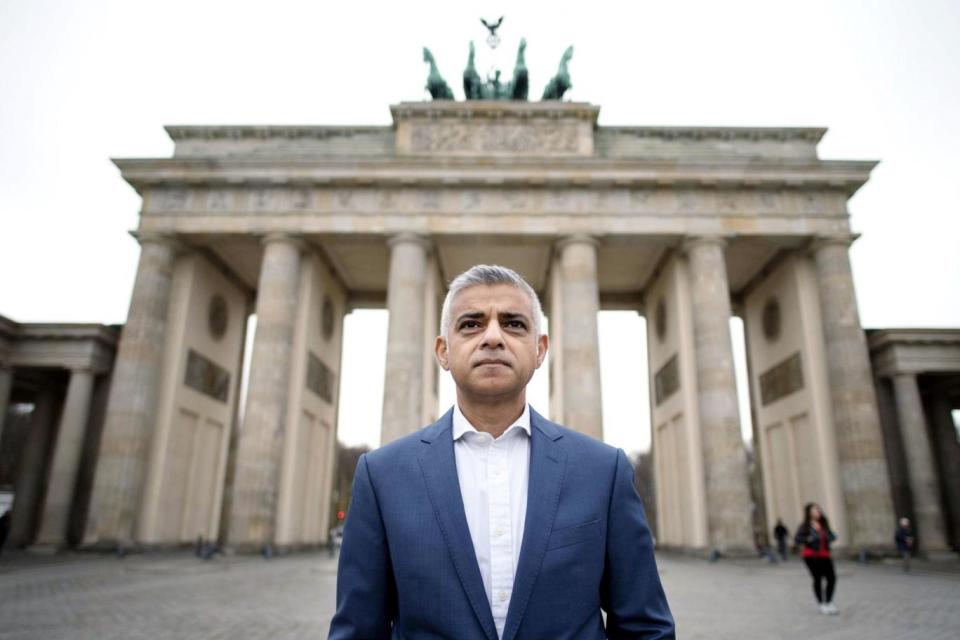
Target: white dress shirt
(493, 483)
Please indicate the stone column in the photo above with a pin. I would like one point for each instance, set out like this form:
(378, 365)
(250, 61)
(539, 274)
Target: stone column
(924, 484)
(31, 472)
(260, 446)
(132, 404)
(6, 385)
(579, 306)
(403, 379)
(724, 458)
(68, 450)
(947, 450)
(856, 419)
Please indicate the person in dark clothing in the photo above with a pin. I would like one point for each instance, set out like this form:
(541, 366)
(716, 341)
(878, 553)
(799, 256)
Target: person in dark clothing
(4, 528)
(780, 534)
(905, 541)
(815, 536)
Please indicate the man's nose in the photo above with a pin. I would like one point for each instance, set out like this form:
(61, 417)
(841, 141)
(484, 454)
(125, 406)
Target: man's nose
(492, 336)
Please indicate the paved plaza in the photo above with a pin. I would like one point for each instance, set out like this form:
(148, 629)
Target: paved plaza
(178, 596)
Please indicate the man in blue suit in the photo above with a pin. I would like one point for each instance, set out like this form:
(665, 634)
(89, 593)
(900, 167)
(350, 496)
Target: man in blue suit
(493, 522)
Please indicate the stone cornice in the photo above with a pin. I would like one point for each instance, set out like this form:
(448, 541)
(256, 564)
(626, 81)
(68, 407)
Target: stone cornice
(323, 132)
(492, 109)
(881, 338)
(9, 328)
(180, 133)
(106, 334)
(847, 176)
(914, 351)
(61, 345)
(752, 134)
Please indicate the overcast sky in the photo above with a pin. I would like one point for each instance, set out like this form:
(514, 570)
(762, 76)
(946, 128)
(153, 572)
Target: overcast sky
(83, 82)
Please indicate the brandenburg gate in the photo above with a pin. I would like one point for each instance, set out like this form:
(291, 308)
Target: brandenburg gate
(301, 224)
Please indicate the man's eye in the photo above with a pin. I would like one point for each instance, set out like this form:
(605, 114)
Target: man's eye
(516, 324)
(469, 324)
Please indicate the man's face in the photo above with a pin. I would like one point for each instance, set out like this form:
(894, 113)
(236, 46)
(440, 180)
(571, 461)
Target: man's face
(491, 348)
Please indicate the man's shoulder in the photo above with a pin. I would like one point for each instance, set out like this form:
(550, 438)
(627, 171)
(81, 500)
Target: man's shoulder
(582, 444)
(408, 444)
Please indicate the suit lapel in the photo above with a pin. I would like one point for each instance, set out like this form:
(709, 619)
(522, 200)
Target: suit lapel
(547, 466)
(439, 467)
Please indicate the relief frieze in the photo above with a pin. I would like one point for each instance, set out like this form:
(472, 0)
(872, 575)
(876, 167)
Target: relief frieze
(465, 138)
(490, 200)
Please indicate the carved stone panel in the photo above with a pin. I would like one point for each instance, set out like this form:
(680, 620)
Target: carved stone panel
(320, 378)
(781, 380)
(666, 382)
(531, 129)
(464, 138)
(207, 377)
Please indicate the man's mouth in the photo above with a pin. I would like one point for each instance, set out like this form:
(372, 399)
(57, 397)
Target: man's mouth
(481, 363)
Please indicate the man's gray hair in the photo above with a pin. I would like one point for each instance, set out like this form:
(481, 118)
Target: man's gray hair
(488, 274)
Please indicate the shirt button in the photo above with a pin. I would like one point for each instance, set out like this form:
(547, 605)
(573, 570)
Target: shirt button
(499, 531)
(502, 595)
(496, 471)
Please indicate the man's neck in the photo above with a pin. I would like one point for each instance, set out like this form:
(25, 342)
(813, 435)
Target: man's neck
(494, 416)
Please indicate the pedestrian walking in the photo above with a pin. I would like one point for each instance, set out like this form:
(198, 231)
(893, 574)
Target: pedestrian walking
(815, 536)
(780, 534)
(905, 540)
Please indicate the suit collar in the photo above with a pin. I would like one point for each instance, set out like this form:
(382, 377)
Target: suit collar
(434, 431)
(461, 425)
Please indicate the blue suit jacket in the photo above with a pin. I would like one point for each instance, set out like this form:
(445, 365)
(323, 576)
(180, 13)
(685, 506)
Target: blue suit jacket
(408, 569)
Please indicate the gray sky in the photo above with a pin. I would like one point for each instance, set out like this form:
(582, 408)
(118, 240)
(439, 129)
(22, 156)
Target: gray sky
(84, 82)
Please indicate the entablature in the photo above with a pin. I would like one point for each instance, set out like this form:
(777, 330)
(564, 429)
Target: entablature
(846, 176)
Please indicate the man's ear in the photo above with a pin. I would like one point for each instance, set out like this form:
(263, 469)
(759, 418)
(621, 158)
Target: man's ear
(440, 349)
(543, 343)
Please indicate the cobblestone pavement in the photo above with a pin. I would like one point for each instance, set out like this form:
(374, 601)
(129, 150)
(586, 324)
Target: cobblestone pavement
(177, 596)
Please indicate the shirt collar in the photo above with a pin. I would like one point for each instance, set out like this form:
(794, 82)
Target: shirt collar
(461, 425)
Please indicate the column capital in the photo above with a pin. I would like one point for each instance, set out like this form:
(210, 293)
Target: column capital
(576, 238)
(407, 237)
(821, 241)
(692, 242)
(288, 238)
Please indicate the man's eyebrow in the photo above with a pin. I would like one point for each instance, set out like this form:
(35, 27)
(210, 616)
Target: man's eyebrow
(471, 315)
(514, 315)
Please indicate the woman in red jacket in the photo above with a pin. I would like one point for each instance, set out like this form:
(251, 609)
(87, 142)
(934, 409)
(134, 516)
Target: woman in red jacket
(815, 536)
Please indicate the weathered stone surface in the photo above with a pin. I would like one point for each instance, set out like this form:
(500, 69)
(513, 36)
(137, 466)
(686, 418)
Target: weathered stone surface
(132, 406)
(406, 343)
(863, 471)
(924, 486)
(579, 305)
(256, 480)
(724, 457)
(31, 470)
(66, 459)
